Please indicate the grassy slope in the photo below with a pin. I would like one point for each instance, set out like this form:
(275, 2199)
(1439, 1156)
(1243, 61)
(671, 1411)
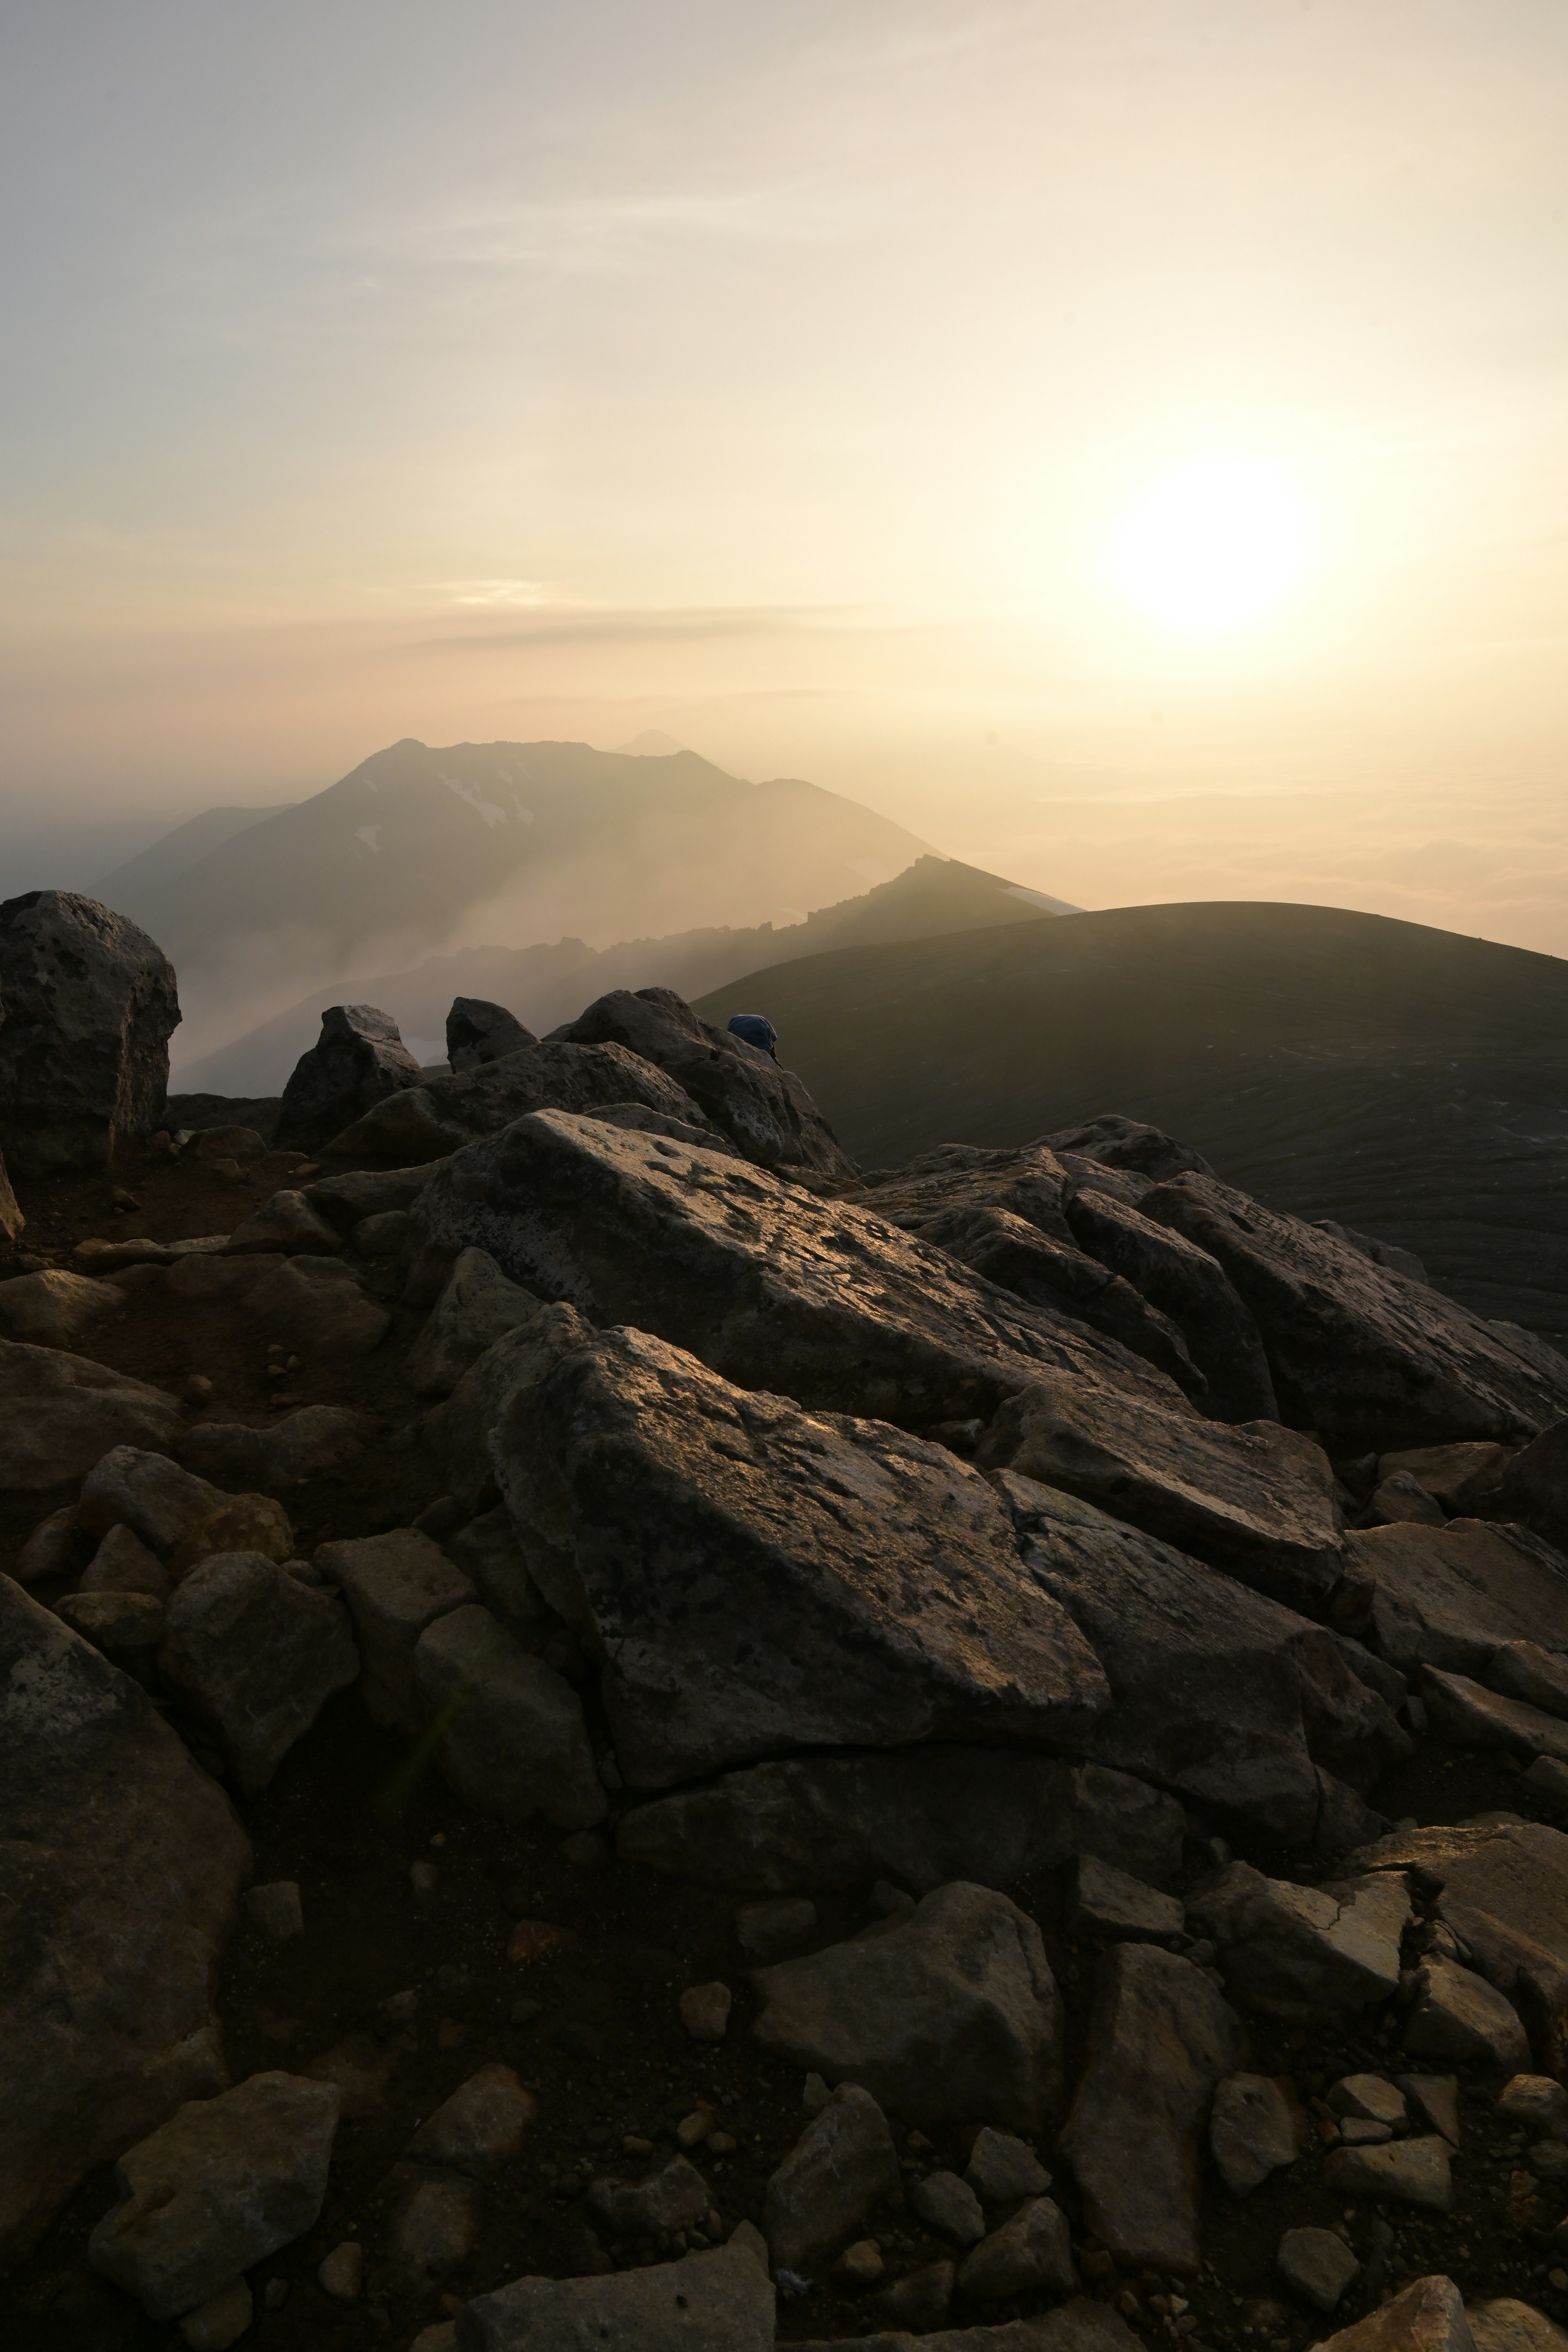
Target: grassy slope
(1404, 1080)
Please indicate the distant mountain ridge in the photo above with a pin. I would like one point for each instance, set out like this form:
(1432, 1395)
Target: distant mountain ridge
(545, 985)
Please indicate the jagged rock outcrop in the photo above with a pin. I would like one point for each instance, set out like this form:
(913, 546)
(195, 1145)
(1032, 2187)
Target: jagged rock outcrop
(762, 1107)
(1365, 1356)
(358, 1060)
(479, 1032)
(440, 1115)
(754, 1578)
(122, 1866)
(89, 1007)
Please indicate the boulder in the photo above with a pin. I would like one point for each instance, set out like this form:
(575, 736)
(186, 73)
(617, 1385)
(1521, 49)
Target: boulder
(511, 1740)
(1216, 1692)
(347, 1200)
(1447, 1472)
(122, 1866)
(943, 2201)
(316, 1305)
(59, 1413)
(768, 1285)
(222, 2185)
(1318, 2264)
(1255, 2129)
(766, 1931)
(1428, 2316)
(1025, 1181)
(1449, 1596)
(718, 2301)
(1161, 2038)
(1533, 1486)
(637, 1116)
(458, 1432)
(90, 1005)
(1457, 2014)
(481, 2127)
(478, 1033)
(441, 1115)
(1502, 1886)
(288, 1225)
(1257, 1501)
(843, 2164)
(1189, 1287)
(1471, 1717)
(122, 1563)
(395, 1585)
(1294, 1952)
(276, 1459)
(1524, 1670)
(118, 1623)
(1404, 2171)
(435, 2221)
(1508, 2326)
(1108, 1904)
(754, 1578)
(358, 1060)
(1401, 1500)
(951, 2014)
(1363, 1356)
(487, 1550)
(1002, 2168)
(256, 1655)
(1032, 2251)
(177, 1515)
(476, 1307)
(1534, 2103)
(761, 1105)
(919, 1816)
(54, 1309)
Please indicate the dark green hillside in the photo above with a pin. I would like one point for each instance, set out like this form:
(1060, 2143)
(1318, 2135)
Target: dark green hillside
(1406, 1081)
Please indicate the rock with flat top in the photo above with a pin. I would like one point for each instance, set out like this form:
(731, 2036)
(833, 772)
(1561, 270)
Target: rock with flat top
(1002, 2168)
(920, 1815)
(1435, 2099)
(1162, 2038)
(716, 2302)
(1254, 2130)
(256, 1655)
(1457, 2014)
(843, 2164)
(90, 1006)
(754, 1576)
(477, 1306)
(459, 1431)
(222, 2185)
(1451, 1473)
(1523, 1670)
(1107, 1902)
(1080, 2325)
(481, 2128)
(395, 1585)
(1472, 1716)
(1407, 2172)
(61, 1413)
(435, 2221)
(1371, 2097)
(1430, 2316)
(1293, 1952)
(951, 2014)
(54, 1309)
(358, 1060)
(124, 1867)
(1451, 1596)
(1032, 2251)
(511, 1740)
(1318, 2264)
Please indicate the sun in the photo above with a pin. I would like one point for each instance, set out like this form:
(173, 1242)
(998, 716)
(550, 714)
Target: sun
(1215, 544)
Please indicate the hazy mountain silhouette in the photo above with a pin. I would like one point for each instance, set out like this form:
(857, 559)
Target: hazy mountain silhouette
(421, 848)
(546, 985)
(172, 854)
(1408, 1082)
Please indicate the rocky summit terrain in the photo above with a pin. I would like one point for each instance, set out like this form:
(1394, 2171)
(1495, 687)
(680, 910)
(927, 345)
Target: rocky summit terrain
(616, 1732)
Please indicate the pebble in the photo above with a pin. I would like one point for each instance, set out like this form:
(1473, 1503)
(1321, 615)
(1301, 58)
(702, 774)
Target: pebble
(694, 2128)
(198, 1388)
(341, 2275)
(422, 1877)
(705, 2011)
(862, 2264)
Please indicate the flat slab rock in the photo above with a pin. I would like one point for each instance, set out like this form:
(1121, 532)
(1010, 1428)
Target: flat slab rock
(1449, 1596)
(1363, 1355)
(755, 1578)
(718, 2301)
(771, 1286)
(1501, 1884)
(61, 1412)
(122, 1871)
(1216, 1692)
(919, 1816)
(951, 2014)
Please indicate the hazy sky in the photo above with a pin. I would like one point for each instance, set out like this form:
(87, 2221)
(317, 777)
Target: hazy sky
(781, 378)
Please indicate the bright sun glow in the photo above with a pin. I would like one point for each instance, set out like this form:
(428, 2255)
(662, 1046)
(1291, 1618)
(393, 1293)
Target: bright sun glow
(1215, 544)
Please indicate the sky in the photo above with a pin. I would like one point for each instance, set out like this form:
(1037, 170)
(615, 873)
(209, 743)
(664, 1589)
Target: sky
(785, 380)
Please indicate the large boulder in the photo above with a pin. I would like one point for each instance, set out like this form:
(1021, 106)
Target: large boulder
(122, 1867)
(256, 1654)
(1257, 1501)
(1365, 1356)
(442, 1114)
(458, 1432)
(769, 1285)
(919, 1816)
(59, 1413)
(950, 2014)
(762, 1107)
(1448, 1596)
(479, 1032)
(1300, 1952)
(90, 1006)
(754, 1578)
(177, 1515)
(358, 1060)
(1501, 1884)
(1162, 2037)
(512, 1738)
(1222, 1696)
(54, 1309)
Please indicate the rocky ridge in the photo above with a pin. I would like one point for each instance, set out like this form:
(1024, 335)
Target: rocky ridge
(616, 1730)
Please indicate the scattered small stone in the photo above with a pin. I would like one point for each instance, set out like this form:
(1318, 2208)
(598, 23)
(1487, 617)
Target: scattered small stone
(1410, 2171)
(221, 2321)
(945, 2202)
(694, 2128)
(525, 2012)
(198, 1388)
(722, 2143)
(862, 2264)
(422, 1876)
(1254, 2129)
(341, 2275)
(275, 1911)
(768, 1930)
(673, 2198)
(705, 2011)
(436, 2219)
(1318, 2264)
(1032, 2250)
(1368, 2097)
(1002, 2168)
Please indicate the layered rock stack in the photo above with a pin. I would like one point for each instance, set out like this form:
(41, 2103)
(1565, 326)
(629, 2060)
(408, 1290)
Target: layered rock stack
(1007, 1668)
